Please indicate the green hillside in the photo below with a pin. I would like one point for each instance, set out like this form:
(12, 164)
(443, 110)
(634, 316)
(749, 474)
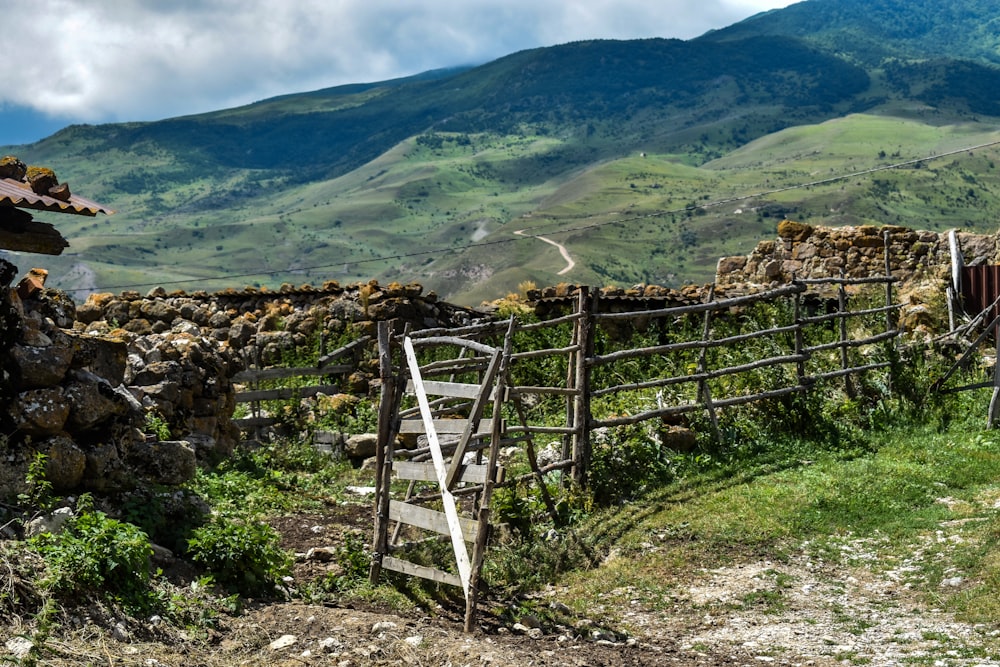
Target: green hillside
(618, 150)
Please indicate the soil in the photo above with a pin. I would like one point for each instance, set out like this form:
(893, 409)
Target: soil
(799, 611)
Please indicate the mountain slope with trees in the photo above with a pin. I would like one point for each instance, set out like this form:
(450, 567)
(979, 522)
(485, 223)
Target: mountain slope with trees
(598, 144)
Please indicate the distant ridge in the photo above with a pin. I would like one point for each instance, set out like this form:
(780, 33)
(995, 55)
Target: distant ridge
(426, 177)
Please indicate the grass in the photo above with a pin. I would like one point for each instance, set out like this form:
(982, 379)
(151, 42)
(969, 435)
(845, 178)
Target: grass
(443, 213)
(921, 502)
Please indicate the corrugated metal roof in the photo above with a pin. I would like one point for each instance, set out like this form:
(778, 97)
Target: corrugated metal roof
(20, 194)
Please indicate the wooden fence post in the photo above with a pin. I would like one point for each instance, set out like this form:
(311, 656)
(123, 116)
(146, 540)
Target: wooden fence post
(844, 360)
(991, 416)
(384, 451)
(581, 408)
(573, 362)
(800, 366)
(890, 343)
(703, 390)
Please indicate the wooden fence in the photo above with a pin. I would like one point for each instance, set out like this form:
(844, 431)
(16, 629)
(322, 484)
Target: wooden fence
(330, 368)
(698, 381)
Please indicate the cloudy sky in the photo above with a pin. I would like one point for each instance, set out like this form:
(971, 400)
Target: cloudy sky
(96, 61)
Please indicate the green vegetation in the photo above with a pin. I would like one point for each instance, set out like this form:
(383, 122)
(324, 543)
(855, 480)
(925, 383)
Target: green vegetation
(618, 150)
(244, 554)
(889, 479)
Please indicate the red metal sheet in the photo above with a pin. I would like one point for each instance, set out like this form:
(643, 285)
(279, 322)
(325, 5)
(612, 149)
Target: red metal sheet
(19, 194)
(980, 289)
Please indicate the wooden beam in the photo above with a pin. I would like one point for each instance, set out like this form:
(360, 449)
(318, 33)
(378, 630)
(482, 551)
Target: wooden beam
(424, 472)
(450, 426)
(422, 571)
(18, 232)
(432, 520)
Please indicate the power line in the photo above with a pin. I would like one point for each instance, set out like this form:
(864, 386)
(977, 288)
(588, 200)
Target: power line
(567, 230)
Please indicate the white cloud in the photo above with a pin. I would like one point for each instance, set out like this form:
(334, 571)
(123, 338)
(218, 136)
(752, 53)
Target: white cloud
(98, 60)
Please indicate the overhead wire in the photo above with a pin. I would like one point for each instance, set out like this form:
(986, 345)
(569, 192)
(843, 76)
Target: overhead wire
(567, 230)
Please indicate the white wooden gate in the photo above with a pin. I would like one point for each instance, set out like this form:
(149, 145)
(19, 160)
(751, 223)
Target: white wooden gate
(450, 478)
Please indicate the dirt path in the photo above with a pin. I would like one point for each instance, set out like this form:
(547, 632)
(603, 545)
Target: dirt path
(570, 262)
(795, 610)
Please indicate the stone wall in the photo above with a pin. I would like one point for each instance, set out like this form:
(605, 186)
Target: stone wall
(81, 382)
(821, 252)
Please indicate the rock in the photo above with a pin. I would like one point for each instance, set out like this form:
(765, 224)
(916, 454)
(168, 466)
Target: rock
(11, 167)
(52, 523)
(361, 446)
(120, 632)
(169, 462)
(19, 647)
(678, 439)
(32, 283)
(65, 464)
(38, 367)
(41, 179)
(383, 626)
(727, 265)
(321, 554)
(282, 642)
(794, 231)
(104, 467)
(39, 412)
(92, 404)
(329, 644)
(60, 192)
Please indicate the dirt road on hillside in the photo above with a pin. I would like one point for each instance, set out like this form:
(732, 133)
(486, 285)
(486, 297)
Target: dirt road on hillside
(570, 262)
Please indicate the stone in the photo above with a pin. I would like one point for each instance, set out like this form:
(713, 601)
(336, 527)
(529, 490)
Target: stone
(65, 464)
(19, 647)
(38, 367)
(60, 192)
(772, 270)
(104, 467)
(11, 167)
(794, 231)
(39, 412)
(92, 404)
(41, 179)
(169, 462)
(282, 642)
(729, 265)
(383, 626)
(159, 310)
(361, 446)
(678, 439)
(321, 554)
(52, 523)
(32, 283)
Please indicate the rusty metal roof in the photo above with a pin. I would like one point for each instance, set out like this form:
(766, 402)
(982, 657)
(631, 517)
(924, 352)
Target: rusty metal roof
(20, 194)
(980, 290)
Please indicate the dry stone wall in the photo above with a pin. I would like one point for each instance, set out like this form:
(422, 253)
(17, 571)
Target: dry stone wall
(806, 251)
(919, 260)
(80, 383)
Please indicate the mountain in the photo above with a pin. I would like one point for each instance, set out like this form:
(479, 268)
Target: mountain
(622, 151)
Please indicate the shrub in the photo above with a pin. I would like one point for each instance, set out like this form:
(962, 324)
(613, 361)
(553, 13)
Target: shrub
(242, 554)
(95, 554)
(624, 463)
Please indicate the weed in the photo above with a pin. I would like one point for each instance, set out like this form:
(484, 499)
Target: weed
(157, 425)
(95, 553)
(353, 560)
(625, 463)
(39, 494)
(243, 554)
